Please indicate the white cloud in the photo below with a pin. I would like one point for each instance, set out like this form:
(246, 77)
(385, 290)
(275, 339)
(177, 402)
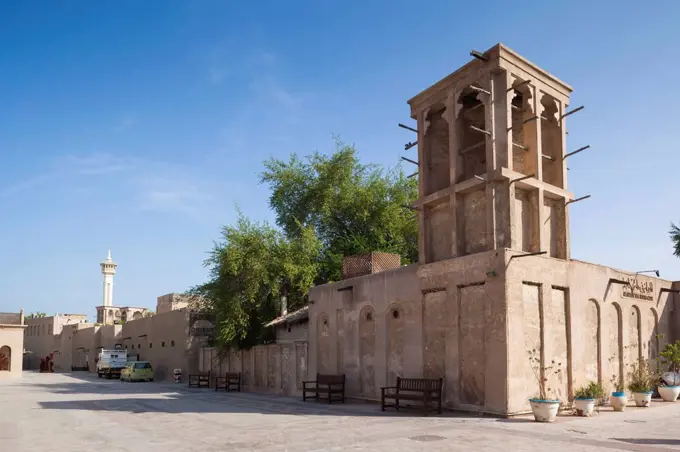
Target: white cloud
(151, 186)
(26, 184)
(172, 193)
(217, 75)
(269, 90)
(99, 163)
(126, 123)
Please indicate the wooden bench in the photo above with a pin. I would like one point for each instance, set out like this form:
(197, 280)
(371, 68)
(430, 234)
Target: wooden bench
(201, 379)
(330, 386)
(230, 381)
(425, 391)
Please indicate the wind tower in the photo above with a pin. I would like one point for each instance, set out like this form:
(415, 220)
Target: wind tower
(492, 159)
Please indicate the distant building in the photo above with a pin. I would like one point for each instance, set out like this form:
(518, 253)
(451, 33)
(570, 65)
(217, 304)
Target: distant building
(169, 340)
(290, 327)
(107, 313)
(11, 343)
(171, 302)
(40, 332)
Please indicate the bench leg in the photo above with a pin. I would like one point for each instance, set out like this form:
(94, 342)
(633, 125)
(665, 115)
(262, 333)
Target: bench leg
(330, 395)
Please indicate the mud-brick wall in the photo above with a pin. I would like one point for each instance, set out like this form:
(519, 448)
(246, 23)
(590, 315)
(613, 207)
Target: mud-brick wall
(674, 309)
(584, 325)
(464, 327)
(164, 340)
(369, 328)
(274, 369)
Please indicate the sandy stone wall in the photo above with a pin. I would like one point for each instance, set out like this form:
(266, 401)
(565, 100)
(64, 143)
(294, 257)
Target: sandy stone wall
(12, 347)
(369, 328)
(580, 315)
(273, 369)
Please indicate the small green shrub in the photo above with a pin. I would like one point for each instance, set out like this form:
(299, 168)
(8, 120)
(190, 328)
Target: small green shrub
(592, 390)
(670, 359)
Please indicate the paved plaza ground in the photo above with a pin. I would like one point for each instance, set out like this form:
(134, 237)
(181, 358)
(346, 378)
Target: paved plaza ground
(75, 412)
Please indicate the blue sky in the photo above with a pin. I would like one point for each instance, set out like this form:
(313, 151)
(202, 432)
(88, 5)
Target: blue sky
(138, 126)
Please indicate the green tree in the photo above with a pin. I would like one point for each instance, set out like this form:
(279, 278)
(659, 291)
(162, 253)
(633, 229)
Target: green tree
(352, 207)
(675, 238)
(36, 315)
(250, 269)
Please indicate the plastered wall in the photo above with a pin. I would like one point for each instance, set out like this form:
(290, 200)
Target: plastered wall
(572, 314)
(441, 320)
(371, 332)
(12, 345)
(273, 369)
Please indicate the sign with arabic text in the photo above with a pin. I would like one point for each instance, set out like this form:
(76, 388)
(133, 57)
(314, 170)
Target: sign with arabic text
(641, 289)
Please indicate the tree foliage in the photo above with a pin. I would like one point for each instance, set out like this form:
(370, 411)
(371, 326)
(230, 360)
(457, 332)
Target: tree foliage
(36, 315)
(675, 238)
(250, 268)
(326, 207)
(352, 207)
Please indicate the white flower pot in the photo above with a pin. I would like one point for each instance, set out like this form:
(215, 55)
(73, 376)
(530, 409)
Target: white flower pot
(544, 410)
(642, 398)
(618, 401)
(669, 393)
(584, 407)
(671, 378)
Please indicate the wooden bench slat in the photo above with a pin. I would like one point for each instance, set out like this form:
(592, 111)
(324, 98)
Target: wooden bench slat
(332, 386)
(201, 379)
(228, 381)
(423, 390)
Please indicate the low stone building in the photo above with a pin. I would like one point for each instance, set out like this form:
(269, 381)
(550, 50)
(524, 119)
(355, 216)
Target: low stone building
(291, 327)
(11, 344)
(495, 280)
(172, 302)
(40, 332)
(169, 340)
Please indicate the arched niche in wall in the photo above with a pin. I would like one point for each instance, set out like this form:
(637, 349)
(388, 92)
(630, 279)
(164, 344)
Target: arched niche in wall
(323, 344)
(367, 350)
(634, 335)
(5, 358)
(593, 347)
(615, 345)
(395, 342)
(653, 335)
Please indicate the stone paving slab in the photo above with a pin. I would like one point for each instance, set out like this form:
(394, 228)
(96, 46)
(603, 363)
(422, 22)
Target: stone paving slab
(75, 412)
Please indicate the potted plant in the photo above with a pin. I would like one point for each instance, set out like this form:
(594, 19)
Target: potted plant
(544, 408)
(670, 359)
(642, 380)
(585, 398)
(618, 399)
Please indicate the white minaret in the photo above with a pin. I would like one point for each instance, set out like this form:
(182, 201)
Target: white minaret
(108, 270)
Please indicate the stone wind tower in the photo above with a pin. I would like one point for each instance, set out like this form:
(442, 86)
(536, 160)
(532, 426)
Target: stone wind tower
(491, 159)
(108, 270)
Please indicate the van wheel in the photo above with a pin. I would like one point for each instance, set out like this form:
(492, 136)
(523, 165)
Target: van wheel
(99, 375)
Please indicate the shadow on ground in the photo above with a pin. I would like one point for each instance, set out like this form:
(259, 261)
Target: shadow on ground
(177, 398)
(650, 441)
